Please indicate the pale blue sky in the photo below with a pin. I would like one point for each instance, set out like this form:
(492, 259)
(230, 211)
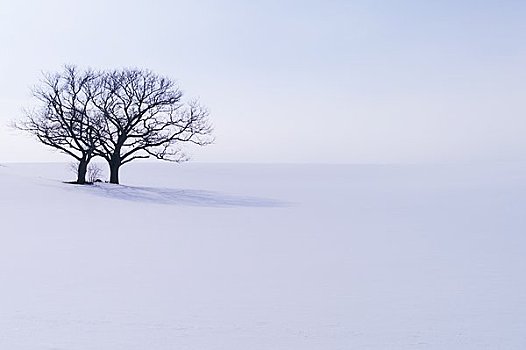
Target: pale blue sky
(297, 81)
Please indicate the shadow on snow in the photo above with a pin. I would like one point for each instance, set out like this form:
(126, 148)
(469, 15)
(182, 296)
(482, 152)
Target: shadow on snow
(179, 196)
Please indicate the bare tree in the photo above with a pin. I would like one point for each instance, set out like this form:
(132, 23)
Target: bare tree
(65, 118)
(94, 172)
(120, 115)
(143, 116)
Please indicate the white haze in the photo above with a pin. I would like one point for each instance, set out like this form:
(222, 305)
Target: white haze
(296, 81)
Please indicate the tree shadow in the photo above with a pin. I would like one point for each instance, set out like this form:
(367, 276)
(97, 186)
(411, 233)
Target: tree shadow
(181, 197)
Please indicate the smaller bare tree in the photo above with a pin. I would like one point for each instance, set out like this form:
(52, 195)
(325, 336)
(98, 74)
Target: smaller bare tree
(64, 118)
(95, 172)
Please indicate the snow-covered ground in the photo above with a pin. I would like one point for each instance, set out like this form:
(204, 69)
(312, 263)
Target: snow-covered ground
(227, 257)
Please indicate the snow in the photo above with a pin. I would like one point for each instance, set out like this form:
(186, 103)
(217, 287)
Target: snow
(246, 256)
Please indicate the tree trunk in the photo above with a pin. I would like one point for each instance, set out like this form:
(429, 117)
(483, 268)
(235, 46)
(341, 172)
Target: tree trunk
(81, 171)
(114, 170)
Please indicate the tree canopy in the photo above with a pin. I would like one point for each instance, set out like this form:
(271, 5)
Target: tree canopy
(120, 115)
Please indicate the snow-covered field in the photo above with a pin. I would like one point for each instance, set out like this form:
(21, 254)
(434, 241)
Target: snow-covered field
(228, 257)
